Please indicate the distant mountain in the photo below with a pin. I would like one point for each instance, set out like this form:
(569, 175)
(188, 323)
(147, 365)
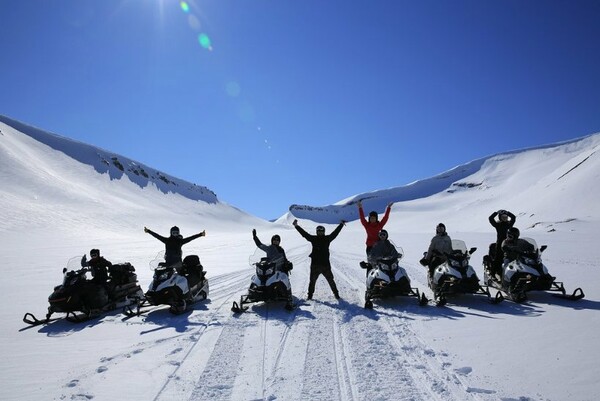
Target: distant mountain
(115, 165)
(561, 172)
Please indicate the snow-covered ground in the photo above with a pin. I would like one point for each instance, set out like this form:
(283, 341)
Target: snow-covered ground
(54, 206)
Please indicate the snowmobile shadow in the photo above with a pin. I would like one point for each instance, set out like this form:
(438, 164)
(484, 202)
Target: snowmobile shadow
(166, 320)
(351, 310)
(269, 311)
(550, 299)
(63, 327)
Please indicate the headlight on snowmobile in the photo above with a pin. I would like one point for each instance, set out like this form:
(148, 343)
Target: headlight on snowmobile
(394, 265)
(454, 263)
(529, 261)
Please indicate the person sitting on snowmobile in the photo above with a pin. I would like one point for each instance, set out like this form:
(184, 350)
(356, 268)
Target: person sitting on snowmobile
(505, 221)
(98, 266)
(383, 248)
(373, 226)
(275, 252)
(319, 256)
(174, 243)
(513, 246)
(439, 246)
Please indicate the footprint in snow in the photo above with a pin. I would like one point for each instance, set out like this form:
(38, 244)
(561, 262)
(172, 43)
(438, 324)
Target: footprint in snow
(73, 383)
(464, 371)
(480, 390)
(101, 369)
(176, 350)
(82, 397)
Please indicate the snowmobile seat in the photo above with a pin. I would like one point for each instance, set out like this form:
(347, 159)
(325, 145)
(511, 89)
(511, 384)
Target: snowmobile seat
(119, 273)
(191, 261)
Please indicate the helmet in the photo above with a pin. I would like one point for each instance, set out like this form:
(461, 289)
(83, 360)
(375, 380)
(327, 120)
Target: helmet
(383, 234)
(513, 233)
(174, 231)
(94, 253)
(440, 228)
(276, 237)
(320, 229)
(373, 214)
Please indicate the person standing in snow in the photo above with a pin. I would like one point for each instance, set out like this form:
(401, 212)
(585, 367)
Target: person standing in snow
(274, 252)
(505, 221)
(320, 263)
(373, 226)
(174, 243)
(440, 245)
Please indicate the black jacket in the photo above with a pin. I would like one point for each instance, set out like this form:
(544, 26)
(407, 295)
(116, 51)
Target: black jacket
(173, 245)
(502, 226)
(320, 245)
(99, 266)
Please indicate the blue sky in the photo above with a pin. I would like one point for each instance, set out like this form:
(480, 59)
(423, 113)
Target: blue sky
(271, 103)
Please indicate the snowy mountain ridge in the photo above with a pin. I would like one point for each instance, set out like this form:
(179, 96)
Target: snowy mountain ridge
(480, 177)
(117, 166)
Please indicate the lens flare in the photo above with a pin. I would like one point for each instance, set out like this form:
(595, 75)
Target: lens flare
(204, 41)
(185, 7)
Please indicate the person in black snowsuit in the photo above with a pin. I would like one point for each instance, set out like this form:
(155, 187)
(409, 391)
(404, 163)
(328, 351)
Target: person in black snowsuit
(320, 263)
(174, 243)
(96, 291)
(99, 267)
(505, 221)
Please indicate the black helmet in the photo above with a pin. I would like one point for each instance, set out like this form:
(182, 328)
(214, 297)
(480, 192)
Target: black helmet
(440, 228)
(513, 233)
(94, 253)
(276, 237)
(373, 213)
(174, 231)
(383, 234)
(320, 229)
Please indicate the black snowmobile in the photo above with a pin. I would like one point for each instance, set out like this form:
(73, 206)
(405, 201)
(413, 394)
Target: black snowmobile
(270, 283)
(526, 273)
(82, 299)
(386, 278)
(178, 285)
(455, 275)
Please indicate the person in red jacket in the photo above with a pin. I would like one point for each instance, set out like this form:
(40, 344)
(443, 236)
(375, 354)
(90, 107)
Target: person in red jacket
(373, 226)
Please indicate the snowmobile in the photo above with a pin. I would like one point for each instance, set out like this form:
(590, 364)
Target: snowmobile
(82, 299)
(455, 275)
(178, 285)
(386, 278)
(270, 283)
(526, 273)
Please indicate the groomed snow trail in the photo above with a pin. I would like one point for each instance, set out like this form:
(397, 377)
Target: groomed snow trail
(326, 349)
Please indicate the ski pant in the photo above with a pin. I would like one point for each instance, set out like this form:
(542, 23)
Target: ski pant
(315, 271)
(497, 257)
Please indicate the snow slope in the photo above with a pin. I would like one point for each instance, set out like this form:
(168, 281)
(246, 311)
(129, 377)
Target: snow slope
(54, 207)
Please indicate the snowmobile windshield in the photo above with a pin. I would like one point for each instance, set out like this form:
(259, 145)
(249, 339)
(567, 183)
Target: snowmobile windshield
(158, 261)
(459, 245)
(74, 263)
(532, 242)
(260, 254)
